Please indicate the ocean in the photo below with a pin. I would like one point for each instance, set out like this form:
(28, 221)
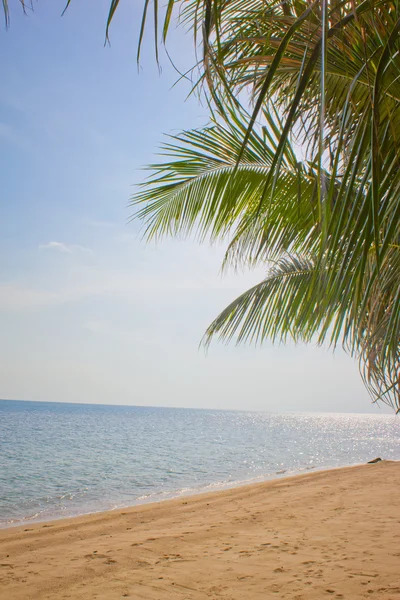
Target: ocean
(59, 460)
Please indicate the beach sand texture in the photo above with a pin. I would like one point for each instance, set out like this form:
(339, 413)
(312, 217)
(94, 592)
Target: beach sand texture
(330, 534)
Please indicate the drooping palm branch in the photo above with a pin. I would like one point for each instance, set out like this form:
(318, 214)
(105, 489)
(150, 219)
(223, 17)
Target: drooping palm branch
(332, 69)
(202, 188)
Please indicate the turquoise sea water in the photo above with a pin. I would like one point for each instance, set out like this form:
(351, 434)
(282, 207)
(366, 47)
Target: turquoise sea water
(58, 460)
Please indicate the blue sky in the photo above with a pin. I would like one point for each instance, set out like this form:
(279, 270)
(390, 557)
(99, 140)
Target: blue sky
(88, 312)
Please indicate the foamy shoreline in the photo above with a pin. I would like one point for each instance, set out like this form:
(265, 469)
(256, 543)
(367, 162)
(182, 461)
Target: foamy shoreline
(157, 497)
(327, 534)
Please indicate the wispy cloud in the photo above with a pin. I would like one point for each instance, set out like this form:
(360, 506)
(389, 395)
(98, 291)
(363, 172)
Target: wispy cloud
(65, 248)
(56, 246)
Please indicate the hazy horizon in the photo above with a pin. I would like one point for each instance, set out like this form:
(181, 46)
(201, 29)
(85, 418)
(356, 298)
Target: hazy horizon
(385, 409)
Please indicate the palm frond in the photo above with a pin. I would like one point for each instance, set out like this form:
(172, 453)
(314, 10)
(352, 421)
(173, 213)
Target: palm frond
(277, 308)
(202, 188)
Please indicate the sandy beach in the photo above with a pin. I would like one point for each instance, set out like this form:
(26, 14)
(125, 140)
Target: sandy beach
(329, 534)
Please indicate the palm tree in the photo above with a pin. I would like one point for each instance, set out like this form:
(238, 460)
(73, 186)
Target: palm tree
(299, 170)
(322, 77)
(202, 189)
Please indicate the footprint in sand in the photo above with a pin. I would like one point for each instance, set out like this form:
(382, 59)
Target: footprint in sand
(95, 554)
(169, 557)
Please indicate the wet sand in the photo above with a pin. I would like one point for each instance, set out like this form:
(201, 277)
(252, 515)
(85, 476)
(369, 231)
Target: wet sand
(329, 534)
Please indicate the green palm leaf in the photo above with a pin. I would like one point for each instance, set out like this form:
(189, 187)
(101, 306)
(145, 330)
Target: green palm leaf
(277, 308)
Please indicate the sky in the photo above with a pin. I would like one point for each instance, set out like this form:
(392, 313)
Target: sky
(88, 311)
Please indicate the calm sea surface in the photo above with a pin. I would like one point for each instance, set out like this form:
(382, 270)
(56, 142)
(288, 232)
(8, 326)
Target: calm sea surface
(58, 460)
